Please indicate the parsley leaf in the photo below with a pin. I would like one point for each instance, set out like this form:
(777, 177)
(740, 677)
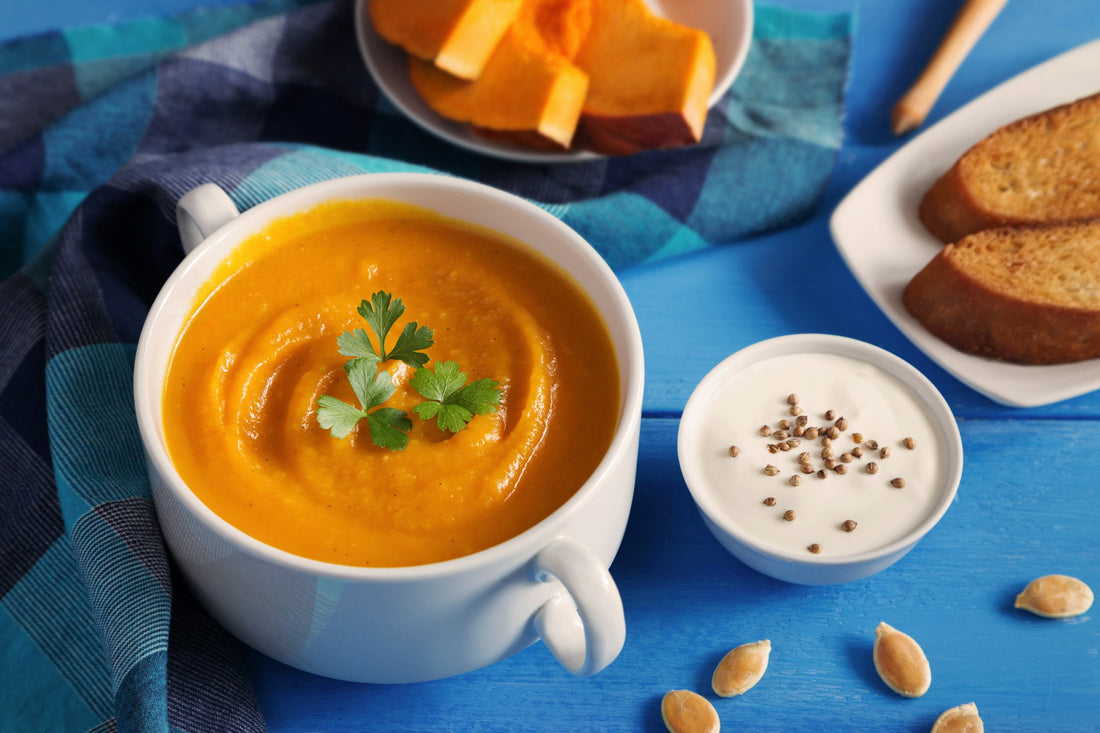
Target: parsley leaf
(337, 416)
(411, 344)
(381, 312)
(357, 345)
(388, 426)
(451, 401)
(370, 386)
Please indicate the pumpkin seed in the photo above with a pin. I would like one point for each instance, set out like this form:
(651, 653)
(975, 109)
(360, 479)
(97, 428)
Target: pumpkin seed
(741, 668)
(900, 662)
(959, 719)
(684, 711)
(1055, 596)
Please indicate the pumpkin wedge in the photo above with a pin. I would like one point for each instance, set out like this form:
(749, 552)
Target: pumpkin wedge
(458, 36)
(650, 80)
(530, 92)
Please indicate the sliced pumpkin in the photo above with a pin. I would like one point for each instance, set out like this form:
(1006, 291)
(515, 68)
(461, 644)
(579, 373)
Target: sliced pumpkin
(458, 36)
(530, 92)
(650, 80)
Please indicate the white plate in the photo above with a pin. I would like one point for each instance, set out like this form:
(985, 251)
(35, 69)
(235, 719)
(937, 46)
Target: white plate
(728, 23)
(878, 234)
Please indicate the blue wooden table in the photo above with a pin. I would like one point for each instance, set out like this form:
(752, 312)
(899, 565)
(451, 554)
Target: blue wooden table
(1028, 505)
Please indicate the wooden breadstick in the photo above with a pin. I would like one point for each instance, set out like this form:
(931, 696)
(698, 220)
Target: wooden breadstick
(969, 25)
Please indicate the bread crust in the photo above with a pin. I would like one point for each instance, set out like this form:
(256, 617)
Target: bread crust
(965, 312)
(955, 207)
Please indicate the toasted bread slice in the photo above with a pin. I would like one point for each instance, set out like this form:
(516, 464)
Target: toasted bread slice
(1042, 169)
(1021, 294)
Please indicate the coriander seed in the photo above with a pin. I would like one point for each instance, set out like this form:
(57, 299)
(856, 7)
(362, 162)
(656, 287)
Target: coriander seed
(773, 448)
(841, 423)
(848, 525)
(765, 430)
(789, 515)
(833, 433)
(857, 438)
(841, 469)
(770, 470)
(784, 446)
(797, 431)
(806, 468)
(830, 415)
(810, 434)
(884, 452)
(804, 457)
(872, 467)
(830, 463)
(784, 424)
(801, 420)
(795, 410)
(845, 457)
(822, 473)
(898, 483)
(794, 480)
(734, 451)
(781, 435)
(770, 501)
(792, 399)
(814, 548)
(871, 444)
(857, 452)
(909, 443)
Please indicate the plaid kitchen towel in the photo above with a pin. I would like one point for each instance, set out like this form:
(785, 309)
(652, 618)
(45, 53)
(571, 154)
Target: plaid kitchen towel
(101, 130)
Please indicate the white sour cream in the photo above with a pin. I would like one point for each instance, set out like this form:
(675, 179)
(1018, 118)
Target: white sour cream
(874, 403)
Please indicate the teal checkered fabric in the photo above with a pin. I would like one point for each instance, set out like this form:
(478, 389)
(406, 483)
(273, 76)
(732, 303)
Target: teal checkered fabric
(102, 129)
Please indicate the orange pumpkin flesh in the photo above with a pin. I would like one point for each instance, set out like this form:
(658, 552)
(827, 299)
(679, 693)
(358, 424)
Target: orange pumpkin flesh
(458, 36)
(650, 80)
(529, 92)
(603, 75)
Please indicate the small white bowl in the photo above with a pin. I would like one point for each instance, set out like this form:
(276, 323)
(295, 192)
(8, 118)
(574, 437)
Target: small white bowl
(750, 389)
(728, 23)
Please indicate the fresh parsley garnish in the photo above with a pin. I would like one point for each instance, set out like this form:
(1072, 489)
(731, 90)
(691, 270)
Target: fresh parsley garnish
(381, 312)
(449, 400)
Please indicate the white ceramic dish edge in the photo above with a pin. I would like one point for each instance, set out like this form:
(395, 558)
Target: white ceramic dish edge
(877, 232)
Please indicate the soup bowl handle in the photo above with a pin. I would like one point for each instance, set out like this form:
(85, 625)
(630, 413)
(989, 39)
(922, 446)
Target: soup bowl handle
(202, 211)
(583, 627)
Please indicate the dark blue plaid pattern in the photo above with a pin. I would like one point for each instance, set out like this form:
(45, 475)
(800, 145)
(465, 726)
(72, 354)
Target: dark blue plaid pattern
(101, 130)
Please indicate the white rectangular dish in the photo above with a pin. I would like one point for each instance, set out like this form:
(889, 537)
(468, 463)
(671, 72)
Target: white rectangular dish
(884, 244)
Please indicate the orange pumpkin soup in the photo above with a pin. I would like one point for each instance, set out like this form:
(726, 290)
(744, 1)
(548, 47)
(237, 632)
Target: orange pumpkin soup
(259, 349)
